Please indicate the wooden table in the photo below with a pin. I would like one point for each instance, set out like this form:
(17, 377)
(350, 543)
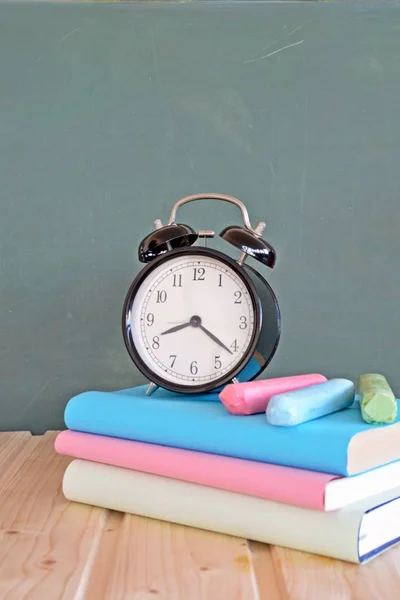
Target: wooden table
(52, 549)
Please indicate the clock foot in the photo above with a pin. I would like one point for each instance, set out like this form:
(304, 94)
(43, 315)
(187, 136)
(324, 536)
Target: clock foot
(152, 387)
(235, 380)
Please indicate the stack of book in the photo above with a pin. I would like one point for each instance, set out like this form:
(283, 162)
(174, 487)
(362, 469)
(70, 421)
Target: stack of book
(330, 486)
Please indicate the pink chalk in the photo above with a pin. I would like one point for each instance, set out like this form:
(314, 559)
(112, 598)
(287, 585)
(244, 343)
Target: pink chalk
(252, 397)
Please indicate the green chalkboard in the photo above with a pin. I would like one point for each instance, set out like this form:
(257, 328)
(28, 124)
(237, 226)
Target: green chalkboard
(109, 113)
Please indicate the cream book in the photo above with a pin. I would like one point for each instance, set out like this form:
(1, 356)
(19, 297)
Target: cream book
(356, 533)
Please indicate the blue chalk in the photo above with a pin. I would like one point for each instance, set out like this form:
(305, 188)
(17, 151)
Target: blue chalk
(312, 402)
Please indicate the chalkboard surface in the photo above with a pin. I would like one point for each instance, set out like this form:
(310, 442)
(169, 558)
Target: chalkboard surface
(109, 113)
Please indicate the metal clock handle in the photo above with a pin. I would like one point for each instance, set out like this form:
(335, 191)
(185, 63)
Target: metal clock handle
(224, 198)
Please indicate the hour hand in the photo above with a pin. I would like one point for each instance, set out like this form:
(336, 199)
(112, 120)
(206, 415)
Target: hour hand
(176, 328)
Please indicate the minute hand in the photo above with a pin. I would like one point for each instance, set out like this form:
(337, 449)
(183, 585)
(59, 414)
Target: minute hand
(216, 340)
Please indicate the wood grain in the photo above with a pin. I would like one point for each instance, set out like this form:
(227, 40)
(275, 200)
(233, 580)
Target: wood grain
(15, 447)
(303, 576)
(145, 559)
(45, 542)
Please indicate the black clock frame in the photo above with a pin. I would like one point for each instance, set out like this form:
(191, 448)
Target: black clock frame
(258, 320)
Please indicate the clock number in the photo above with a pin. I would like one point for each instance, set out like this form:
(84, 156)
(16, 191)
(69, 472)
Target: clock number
(217, 363)
(177, 282)
(199, 274)
(238, 296)
(173, 357)
(150, 319)
(161, 296)
(220, 280)
(193, 368)
(156, 342)
(234, 346)
(243, 323)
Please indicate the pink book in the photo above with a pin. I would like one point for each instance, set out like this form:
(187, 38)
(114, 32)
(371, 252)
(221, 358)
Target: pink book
(308, 489)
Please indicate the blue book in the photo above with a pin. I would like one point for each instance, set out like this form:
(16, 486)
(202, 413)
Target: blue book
(340, 443)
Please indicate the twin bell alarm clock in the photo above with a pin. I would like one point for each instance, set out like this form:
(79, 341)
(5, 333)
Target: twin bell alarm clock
(195, 319)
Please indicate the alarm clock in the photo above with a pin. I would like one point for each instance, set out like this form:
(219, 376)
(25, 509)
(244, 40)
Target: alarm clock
(195, 318)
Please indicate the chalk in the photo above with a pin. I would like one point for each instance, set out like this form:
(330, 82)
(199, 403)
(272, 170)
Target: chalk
(307, 404)
(252, 397)
(377, 402)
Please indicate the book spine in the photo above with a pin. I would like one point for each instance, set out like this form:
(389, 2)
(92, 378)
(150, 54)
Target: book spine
(182, 424)
(262, 480)
(330, 534)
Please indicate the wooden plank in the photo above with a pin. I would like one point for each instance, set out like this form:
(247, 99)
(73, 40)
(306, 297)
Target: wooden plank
(305, 576)
(46, 543)
(148, 559)
(14, 449)
(270, 582)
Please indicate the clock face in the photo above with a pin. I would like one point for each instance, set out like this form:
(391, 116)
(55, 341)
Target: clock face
(192, 320)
